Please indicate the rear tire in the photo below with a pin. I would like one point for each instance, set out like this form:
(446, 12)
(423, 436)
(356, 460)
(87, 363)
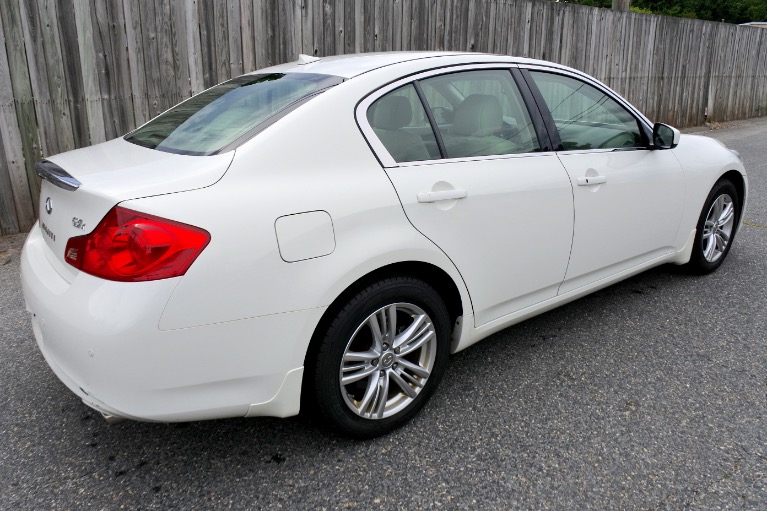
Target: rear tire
(716, 228)
(381, 358)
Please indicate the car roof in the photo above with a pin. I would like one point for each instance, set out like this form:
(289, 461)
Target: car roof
(351, 65)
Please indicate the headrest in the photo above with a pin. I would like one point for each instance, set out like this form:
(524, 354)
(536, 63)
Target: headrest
(391, 113)
(479, 115)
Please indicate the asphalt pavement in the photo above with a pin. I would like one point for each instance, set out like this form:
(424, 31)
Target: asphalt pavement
(651, 394)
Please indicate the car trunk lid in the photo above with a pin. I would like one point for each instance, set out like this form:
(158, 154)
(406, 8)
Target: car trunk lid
(80, 187)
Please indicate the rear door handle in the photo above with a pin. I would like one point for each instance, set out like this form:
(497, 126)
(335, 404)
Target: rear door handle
(441, 195)
(591, 180)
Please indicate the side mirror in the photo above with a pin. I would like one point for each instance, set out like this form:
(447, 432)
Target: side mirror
(664, 136)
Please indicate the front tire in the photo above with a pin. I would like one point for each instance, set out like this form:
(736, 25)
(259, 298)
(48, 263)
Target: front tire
(381, 358)
(716, 228)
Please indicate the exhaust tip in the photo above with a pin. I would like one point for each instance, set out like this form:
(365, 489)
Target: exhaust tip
(112, 419)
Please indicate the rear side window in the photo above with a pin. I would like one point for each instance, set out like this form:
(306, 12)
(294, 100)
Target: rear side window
(216, 118)
(465, 114)
(480, 113)
(401, 124)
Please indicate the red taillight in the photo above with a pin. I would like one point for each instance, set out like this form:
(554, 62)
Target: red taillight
(129, 246)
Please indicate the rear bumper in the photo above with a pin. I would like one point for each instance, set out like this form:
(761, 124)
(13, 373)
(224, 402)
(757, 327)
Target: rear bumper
(102, 340)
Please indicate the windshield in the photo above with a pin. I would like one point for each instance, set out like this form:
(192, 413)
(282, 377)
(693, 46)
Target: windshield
(212, 120)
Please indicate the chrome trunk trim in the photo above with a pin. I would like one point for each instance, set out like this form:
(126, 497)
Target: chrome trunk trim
(56, 175)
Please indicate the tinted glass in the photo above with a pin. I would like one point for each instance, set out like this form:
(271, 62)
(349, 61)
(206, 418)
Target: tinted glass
(480, 113)
(400, 122)
(585, 116)
(217, 117)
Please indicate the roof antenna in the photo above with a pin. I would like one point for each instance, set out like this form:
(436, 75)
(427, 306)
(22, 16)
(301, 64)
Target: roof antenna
(306, 59)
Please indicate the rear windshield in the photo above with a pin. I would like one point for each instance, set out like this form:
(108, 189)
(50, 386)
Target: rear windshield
(216, 118)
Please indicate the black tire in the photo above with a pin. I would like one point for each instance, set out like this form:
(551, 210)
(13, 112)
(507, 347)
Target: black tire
(706, 258)
(353, 408)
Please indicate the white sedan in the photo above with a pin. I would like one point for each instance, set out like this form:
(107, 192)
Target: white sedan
(323, 234)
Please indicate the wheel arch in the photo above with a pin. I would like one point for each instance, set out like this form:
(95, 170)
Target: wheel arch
(737, 179)
(431, 274)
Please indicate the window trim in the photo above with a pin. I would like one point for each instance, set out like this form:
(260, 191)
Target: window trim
(432, 121)
(539, 121)
(645, 126)
(380, 151)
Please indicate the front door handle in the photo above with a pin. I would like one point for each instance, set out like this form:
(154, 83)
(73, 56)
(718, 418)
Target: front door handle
(591, 180)
(441, 195)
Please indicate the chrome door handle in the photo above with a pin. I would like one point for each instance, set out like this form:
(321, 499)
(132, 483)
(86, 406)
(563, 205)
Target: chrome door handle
(591, 180)
(441, 195)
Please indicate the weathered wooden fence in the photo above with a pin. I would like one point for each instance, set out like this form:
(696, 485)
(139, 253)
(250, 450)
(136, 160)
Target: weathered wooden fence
(78, 72)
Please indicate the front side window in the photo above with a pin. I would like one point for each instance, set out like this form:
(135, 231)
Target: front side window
(212, 120)
(586, 117)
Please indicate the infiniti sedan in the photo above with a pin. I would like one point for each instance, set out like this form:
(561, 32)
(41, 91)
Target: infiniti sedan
(321, 235)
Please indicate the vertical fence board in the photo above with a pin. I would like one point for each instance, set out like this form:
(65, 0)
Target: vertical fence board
(151, 57)
(9, 223)
(134, 38)
(350, 26)
(55, 74)
(22, 93)
(220, 40)
(339, 10)
(33, 42)
(234, 22)
(102, 49)
(248, 36)
(287, 33)
(180, 50)
(13, 158)
(94, 107)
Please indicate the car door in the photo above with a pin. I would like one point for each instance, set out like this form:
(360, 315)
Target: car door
(465, 159)
(628, 198)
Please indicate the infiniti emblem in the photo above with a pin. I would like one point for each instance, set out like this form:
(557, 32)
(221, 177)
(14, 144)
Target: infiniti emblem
(387, 360)
(48, 205)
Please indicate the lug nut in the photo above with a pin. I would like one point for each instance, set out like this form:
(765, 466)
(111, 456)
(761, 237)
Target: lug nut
(385, 346)
(375, 362)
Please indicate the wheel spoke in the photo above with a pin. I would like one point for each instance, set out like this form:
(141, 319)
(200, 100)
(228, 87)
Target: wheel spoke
(708, 252)
(360, 356)
(358, 375)
(727, 214)
(414, 368)
(424, 335)
(375, 331)
(383, 395)
(410, 391)
(720, 244)
(412, 379)
(718, 206)
(391, 324)
(409, 332)
(371, 392)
